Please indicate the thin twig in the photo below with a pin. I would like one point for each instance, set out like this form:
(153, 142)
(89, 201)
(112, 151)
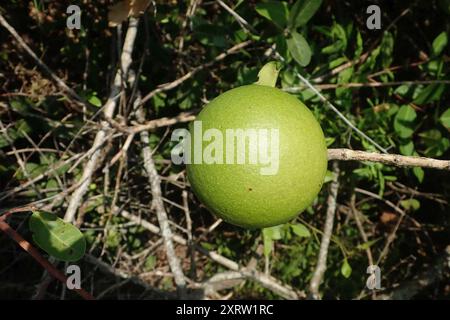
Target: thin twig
(187, 213)
(326, 237)
(329, 86)
(356, 213)
(391, 237)
(268, 281)
(246, 25)
(105, 267)
(163, 122)
(176, 83)
(60, 83)
(339, 114)
(433, 273)
(108, 111)
(242, 22)
(390, 159)
(158, 204)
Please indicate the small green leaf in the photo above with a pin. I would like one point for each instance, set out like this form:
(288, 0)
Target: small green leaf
(419, 173)
(59, 239)
(299, 49)
(207, 245)
(300, 230)
(274, 232)
(150, 263)
(404, 121)
(431, 93)
(275, 11)
(339, 40)
(407, 149)
(435, 143)
(445, 118)
(268, 242)
(346, 269)
(329, 176)
(430, 137)
(302, 12)
(387, 49)
(113, 239)
(95, 101)
(410, 204)
(368, 244)
(439, 43)
(268, 74)
(343, 78)
(269, 235)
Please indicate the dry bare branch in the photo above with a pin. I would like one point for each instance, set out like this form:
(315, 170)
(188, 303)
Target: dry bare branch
(158, 204)
(326, 237)
(268, 282)
(390, 159)
(108, 111)
(59, 82)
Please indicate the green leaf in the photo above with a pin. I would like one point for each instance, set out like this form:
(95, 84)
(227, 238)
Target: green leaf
(269, 235)
(59, 239)
(211, 35)
(300, 230)
(387, 49)
(299, 49)
(51, 187)
(344, 77)
(33, 170)
(407, 149)
(359, 45)
(274, 232)
(435, 143)
(95, 101)
(329, 176)
(439, 43)
(150, 263)
(368, 244)
(346, 269)
(404, 121)
(268, 242)
(431, 93)
(268, 74)
(302, 12)
(339, 40)
(429, 137)
(439, 148)
(419, 173)
(275, 11)
(113, 239)
(445, 118)
(410, 204)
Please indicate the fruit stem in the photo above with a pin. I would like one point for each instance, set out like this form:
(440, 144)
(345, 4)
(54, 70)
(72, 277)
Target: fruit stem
(268, 74)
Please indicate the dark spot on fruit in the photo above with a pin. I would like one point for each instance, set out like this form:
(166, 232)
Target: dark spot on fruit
(250, 189)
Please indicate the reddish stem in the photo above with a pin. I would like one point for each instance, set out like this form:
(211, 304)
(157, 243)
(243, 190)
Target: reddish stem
(15, 210)
(25, 245)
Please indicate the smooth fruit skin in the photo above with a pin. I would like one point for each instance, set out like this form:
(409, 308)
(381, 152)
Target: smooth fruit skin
(238, 193)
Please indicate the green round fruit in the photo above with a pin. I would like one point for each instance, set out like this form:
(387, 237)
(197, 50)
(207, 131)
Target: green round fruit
(239, 193)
